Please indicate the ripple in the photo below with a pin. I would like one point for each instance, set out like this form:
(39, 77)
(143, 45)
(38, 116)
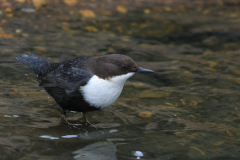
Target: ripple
(70, 136)
(113, 130)
(49, 137)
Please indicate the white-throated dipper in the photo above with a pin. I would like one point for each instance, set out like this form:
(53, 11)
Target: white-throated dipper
(83, 84)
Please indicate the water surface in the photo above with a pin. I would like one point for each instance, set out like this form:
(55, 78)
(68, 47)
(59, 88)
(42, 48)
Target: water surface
(188, 109)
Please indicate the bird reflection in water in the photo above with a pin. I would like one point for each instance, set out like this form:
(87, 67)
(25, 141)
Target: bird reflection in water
(98, 150)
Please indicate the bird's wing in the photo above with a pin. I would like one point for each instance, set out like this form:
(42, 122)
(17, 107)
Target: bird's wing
(64, 79)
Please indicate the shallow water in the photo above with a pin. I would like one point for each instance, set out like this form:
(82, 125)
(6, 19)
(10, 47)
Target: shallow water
(188, 109)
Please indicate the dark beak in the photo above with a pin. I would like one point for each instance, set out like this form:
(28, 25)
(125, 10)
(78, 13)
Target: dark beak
(145, 70)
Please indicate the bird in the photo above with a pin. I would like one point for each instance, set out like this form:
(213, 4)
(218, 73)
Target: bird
(83, 84)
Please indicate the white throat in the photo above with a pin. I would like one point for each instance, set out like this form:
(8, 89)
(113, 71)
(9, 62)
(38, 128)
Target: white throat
(101, 93)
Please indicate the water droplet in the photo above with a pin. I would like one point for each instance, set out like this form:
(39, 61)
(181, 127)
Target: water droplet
(7, 116)
(138, 154)
(15, 116)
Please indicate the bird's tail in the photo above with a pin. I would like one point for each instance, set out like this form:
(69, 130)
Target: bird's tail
(37, 64)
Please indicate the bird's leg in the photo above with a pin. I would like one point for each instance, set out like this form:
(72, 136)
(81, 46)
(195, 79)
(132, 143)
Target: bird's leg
(88, 123)
(85, 118)
(64, 118)
(63, 115)
(70, 124)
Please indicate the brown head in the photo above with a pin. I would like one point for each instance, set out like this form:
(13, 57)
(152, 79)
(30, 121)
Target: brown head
(113, 65)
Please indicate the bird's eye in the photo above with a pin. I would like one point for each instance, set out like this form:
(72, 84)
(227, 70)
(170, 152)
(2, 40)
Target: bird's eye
(123, 67)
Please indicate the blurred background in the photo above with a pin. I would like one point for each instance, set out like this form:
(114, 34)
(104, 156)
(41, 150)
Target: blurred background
(188, 109)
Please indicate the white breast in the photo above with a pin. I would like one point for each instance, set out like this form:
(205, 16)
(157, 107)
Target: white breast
(101, 93)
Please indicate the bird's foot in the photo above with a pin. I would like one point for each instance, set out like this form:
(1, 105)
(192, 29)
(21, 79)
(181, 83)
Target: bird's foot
(82, 122)
(68, 123)
(72, 125)
(90, 124)
(86, 122)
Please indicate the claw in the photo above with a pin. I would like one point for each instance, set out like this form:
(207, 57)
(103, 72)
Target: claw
(77, 125)
(71, 124)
